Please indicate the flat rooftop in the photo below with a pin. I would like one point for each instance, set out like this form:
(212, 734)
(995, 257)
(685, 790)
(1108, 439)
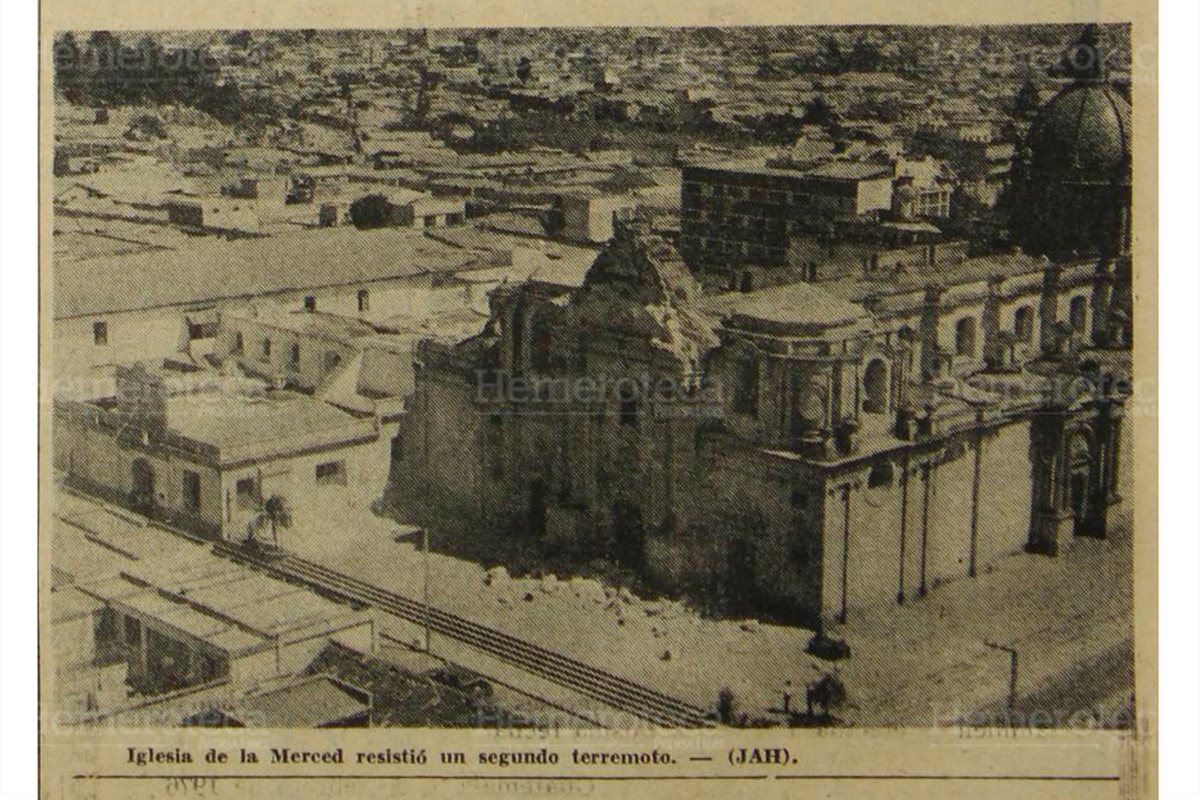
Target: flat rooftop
(255, 427)
(308, 323)
(313, 702)
(849, 171)
(213, 269)
(226, 606)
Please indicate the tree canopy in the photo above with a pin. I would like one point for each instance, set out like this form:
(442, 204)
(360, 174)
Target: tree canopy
(371, 211)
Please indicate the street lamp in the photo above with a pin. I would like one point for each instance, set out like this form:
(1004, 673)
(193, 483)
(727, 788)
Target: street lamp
(1012, 675)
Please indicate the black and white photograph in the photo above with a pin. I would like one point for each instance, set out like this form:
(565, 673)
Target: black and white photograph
(612, 378)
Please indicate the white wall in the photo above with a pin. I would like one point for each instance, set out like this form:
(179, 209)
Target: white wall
(317, 510)
(132, 336)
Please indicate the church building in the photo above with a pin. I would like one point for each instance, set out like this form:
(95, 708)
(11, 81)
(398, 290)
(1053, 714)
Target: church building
(811, 448)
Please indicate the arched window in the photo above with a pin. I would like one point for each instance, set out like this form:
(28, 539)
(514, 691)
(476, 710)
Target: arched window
(808, 406)
(1023, 324)
(1078, 314)
(875, 387)
(964, 337)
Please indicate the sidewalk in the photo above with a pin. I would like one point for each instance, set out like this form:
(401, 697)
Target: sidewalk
(926, 663)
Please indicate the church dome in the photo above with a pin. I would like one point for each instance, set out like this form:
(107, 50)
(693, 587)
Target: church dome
(1072, 185)
(1082, 137)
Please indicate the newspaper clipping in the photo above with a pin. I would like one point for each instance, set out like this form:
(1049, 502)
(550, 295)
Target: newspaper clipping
(541, 399)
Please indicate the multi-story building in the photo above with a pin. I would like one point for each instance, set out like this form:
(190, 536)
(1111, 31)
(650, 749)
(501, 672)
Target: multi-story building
(750, 215)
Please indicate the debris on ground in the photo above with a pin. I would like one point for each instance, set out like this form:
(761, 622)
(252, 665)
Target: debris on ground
(496, 575)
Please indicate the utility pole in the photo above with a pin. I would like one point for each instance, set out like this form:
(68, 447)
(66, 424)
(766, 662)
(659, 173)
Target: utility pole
(425, 558)
(1012, 675)
(411, 536)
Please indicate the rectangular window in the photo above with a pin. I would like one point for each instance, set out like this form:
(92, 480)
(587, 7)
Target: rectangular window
(310, 303)
(430, 221)
(266, 349)
(364, 300)
(294, 357)
(331, 361)
(745, 397)
(100, 333)
(331, 473)
(191, 490)
(239, 343)
(202, 330)
(133, 631)
(247, 493)
(1077, 314)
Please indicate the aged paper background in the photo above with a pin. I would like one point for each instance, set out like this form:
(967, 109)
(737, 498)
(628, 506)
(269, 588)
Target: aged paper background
(827, 763)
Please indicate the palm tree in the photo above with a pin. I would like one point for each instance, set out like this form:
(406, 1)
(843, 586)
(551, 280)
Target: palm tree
(828, 694)
(272, 511)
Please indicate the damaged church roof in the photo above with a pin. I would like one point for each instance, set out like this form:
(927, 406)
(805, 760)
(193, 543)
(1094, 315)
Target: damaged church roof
(640, 280)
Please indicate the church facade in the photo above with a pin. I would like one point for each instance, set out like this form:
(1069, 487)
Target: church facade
(820, 448)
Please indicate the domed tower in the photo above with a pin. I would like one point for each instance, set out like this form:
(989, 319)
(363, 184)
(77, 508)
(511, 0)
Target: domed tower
(1073, 183)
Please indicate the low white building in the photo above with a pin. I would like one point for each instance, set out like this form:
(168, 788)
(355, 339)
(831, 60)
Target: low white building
(206, 453)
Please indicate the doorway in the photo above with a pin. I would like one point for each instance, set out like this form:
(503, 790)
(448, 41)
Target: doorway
(629, 534)
(141, 495)
(1079, 483)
